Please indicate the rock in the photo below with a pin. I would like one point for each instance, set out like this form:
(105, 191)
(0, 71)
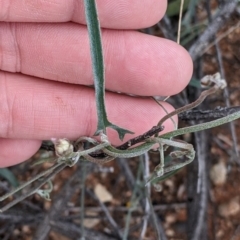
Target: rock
(229, 209)
(218, 173)
(102, 193)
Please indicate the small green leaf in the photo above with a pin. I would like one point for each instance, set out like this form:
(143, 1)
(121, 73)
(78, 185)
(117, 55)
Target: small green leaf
(174, 7)
(156, 179)
(98, 69)
(195, 83)
(9, 176)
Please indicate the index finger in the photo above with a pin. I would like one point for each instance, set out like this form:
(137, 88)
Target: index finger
(121, 14)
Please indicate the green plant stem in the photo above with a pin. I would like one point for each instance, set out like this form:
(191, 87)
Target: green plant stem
(30, 181)
(132, 152)
(97, 61)
(98, 69)
(194, 104)
(202, 126)
(58, 169)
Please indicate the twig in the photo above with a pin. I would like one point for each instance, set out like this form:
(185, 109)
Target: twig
(160, 207)
(200, 227)
(228, 150)
(38, 176)
(5, 228)
(8, 233)
(225, 91)
(33, 207)
(141, 138)
(216, 113)
(221, 36)
(148, 195)
(66, 228)
(218, 84)
(166, 28)
(180, 22)
(154, 130)
(126, 171)
(107, 213)
(20, 217)
(73, 231)
(155, 222)
(82, 199)
(34, 189)
(227, 9)
(57, 207)
(133, 203)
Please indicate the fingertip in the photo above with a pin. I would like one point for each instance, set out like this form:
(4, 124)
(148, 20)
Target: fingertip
(121, 14)
(177, 71)
(159, 8)
(153, 67)
(14, 151)
(124, 14)
(184, 68)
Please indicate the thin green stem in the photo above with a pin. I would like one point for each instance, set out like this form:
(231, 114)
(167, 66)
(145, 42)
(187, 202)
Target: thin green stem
(30, 181)
(98, 69)
(58, 169)
(132, 152)
(202, 126)
(194, 104)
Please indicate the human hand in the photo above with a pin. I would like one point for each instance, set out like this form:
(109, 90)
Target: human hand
(45, 68)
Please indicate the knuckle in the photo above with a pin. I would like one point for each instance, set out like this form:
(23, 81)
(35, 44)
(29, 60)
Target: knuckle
(9, 48)
(5, 109)
(4, 12)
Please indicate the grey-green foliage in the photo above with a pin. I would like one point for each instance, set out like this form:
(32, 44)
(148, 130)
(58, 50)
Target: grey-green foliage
(9, 176)
(174, 6)
(98, 69)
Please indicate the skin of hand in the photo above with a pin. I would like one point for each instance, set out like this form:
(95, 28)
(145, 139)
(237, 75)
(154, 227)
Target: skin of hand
(45, 71)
